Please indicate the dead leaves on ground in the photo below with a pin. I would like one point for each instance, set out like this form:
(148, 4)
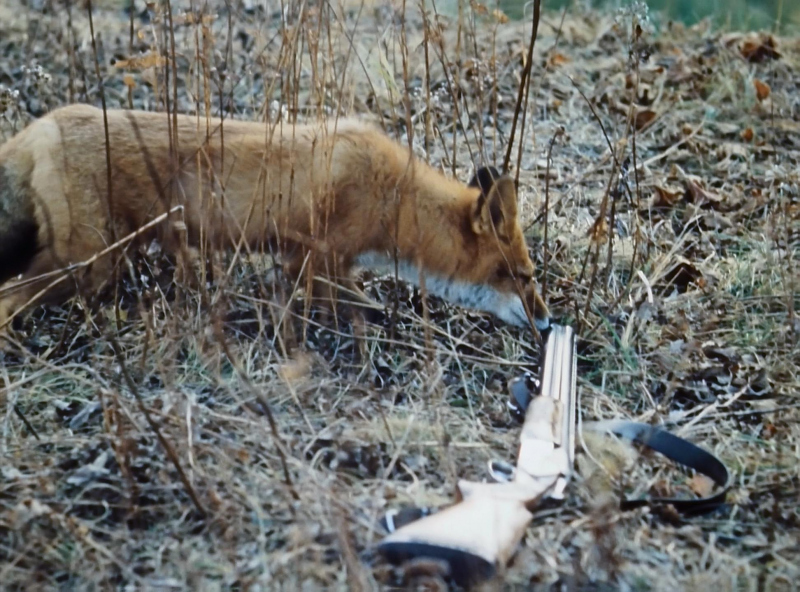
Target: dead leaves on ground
(643, 119)
(649, 93)
(555, 59)
(690, 190)
(762, 89)
(694, 200)
(754, 47)
(145, 61)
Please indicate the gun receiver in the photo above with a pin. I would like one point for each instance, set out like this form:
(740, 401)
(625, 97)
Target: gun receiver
(478, 534)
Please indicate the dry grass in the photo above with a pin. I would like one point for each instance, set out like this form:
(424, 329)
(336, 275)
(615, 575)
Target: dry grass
(155, 466)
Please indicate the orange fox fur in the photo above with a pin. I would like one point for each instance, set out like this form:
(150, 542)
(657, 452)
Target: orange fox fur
(332, 197)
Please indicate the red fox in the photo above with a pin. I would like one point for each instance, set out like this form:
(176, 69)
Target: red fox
(330, 197)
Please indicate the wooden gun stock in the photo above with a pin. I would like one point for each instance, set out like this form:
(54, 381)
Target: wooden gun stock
(479, 533)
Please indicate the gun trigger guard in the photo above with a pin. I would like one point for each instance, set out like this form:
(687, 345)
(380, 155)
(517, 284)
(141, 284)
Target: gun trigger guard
(501, 471)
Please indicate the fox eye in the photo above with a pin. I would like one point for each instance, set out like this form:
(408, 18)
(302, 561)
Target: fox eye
(504, 274)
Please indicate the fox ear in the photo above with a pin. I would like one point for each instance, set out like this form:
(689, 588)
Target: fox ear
(497, 205)
(485, 178)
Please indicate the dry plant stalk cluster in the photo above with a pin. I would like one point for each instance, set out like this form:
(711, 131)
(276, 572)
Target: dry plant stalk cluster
(171, 441)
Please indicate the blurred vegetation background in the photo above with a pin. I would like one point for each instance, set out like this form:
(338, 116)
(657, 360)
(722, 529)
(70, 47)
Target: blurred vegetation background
(782, 16)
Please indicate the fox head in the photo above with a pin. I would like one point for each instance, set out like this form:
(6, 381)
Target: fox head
(469, 248)
(502, 264)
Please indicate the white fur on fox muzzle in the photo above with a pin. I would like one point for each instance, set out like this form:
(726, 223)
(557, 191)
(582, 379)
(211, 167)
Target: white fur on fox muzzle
(542, 324)
(513, 312)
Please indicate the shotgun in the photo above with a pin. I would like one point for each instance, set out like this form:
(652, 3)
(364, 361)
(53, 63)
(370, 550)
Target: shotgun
(477, 535)
(474, 538)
